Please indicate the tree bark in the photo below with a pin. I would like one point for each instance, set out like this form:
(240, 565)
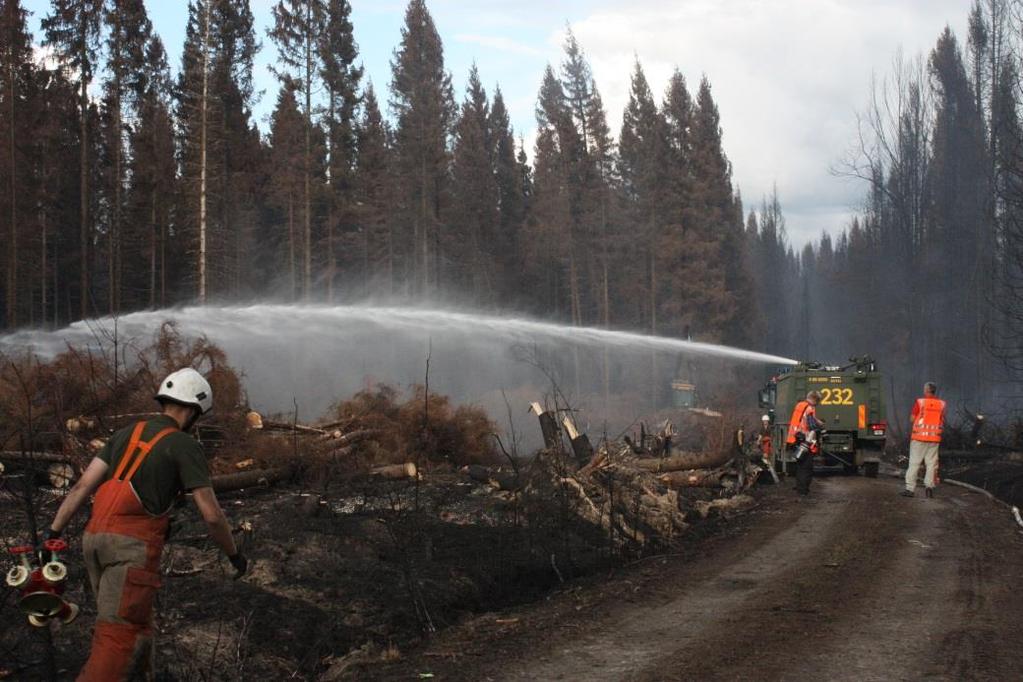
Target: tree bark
(152, 249)
(250, 479)
(308, 232)
(697, 478)
(12, 259)
(396, 471)
(688, 460)
(291, 244)
(83, 160)
(203, 106)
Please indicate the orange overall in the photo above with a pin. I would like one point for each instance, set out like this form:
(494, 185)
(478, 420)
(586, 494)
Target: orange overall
(123, 543)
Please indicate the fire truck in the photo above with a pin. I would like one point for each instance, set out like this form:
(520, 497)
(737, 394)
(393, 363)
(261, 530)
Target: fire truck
(851, 407)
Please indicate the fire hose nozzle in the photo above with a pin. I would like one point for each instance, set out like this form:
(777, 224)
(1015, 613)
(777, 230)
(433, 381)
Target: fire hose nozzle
(17, 576)
(54, 572)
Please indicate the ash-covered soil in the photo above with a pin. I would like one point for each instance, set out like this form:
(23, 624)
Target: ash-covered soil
(353, 577)
(855, 583)
(1001, 475)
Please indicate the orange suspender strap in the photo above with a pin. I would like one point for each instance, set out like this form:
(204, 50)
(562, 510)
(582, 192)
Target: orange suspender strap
(145, 449)
(130, 450)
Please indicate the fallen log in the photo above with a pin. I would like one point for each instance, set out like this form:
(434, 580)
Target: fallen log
(76, 424)
(30, 457)
(60, 475)
(289, 426)
(723, 505)
(686, 460)
(480, 474)
(130, 415)
(340, 438)
(694, 478)
(330, 426)
(501, 480)
(598, 460)
(396, 471)
(631, 505)
(250, 479)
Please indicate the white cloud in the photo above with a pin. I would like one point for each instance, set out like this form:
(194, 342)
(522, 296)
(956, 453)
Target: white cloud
(499, 43)
(788, 76)
(45, 57)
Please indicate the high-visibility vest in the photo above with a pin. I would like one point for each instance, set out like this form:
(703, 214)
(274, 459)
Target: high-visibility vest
(797, 421)
(930, 420)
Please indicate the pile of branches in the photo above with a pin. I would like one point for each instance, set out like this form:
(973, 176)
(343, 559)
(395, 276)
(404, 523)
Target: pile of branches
(641, 492)
(55, 415)
(378, 432)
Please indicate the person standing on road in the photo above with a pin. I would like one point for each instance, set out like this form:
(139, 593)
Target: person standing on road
(765, 439)
(803, 436)
(137, 476)
(928, 423)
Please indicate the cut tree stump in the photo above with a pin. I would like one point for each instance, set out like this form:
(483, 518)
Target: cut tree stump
(548, 427)
(396, 471)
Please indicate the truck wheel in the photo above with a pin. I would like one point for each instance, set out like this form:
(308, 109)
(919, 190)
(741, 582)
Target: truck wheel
(870, 469)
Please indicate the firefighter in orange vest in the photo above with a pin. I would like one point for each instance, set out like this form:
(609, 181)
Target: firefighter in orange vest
(928, 422)
(803, 434)
(137, 477)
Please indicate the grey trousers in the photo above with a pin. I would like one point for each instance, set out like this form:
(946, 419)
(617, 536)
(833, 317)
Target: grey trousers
(922, 453)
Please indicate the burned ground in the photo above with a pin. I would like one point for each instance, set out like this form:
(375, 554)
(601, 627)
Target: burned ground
(393, 537)
(354, 569)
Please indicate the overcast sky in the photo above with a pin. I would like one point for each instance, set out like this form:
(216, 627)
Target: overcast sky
(788, 75)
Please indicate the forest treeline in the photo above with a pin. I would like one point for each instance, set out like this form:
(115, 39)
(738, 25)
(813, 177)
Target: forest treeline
(417, 191)
(126, 187)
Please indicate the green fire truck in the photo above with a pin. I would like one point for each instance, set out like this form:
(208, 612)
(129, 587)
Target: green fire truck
(851, 407)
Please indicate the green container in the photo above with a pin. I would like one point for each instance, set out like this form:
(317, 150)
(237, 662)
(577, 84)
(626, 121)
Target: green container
(683, 394)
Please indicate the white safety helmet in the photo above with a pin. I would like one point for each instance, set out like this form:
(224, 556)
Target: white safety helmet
(765, 418)
(187, 387)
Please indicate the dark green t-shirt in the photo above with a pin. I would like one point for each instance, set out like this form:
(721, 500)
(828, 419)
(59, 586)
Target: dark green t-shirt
(177, 463)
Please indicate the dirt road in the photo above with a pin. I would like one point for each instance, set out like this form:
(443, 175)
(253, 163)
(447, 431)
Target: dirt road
(854, 583)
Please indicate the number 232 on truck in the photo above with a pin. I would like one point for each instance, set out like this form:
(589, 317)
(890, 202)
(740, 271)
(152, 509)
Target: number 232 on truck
(851, 407)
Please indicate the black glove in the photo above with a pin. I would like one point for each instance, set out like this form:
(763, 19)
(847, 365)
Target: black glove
(240, 563)
(51, 534)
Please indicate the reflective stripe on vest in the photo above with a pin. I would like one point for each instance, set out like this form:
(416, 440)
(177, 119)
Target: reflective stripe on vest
(796, 421)
(929, 422)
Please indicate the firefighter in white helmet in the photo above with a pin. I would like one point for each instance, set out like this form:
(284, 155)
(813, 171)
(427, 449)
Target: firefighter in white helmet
(137, 477)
